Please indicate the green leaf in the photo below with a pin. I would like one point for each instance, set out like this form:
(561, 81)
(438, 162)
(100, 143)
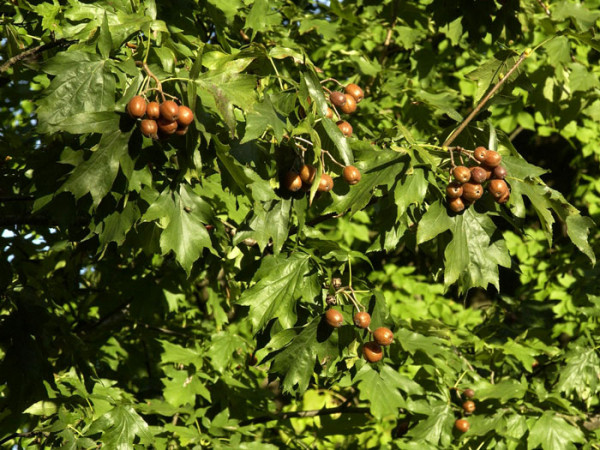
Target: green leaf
(87, 122)
(554, 433)
(578, 229)
(434, 222)
(260, 118)
(104, 38)
(504, 390)
(182, 387)
(269, 223)
(580, 374)
(173, 353)
(42, 408)
(119, 427)
(436, 427)
(118, 224)
(380, 390)
(411, 189)
(222, 347)
(280, 282)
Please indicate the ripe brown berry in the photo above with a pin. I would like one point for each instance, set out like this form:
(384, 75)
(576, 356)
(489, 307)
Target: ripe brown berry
(383, 336)
(307, 173)
(181, 130)
(345, 128)
(492, 158)
(329, 113)
(462, 425)
(334, 318)
(169, 110)
(498, 188)
(469, 406)
(326, 183)
(149, 128)
(337, 99)
(499, 172)
(186, 116)
(351, 174)
(362, 319)
(355, 91)
(350, 106)
(167, 126)
(469, 393)
(153, 110)
(478, 175)
(454, 190)
(502, 200)
(456, 204)
(487, 170)
(461, 174)
(292, 181)
(479, 154)
(136, 107)
(372, 352)
(472, 191)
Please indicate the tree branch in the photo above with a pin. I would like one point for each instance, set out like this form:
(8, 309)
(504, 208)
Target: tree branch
(31, 52)
(310, 413)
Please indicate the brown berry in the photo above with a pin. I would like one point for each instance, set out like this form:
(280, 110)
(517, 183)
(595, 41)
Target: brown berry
(472, 191)
(153, 110)
(345, 128)
(461, 174)
(307, 173)
(185, 117)
(350, 106)
(149, 128)
(355, 91)
(487, 170)
(169, 110)
(167, 126)
(469, 393)
(351, 174)
(372, 352)
(498, 188)
(292, 181)
(326, 183)
(462, 425)
(337, 99)
(181, 130)
(329, 113)
(383, 336)
(479, 154)
(334, 318)
(492, 158)
(136, 107)
(362, 319)
(469, 406)
(478, 174)
(454, 190)
(499, 172)
(456, 205)
(502, 200)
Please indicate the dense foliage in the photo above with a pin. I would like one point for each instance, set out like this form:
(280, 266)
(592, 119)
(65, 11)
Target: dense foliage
(165, 293)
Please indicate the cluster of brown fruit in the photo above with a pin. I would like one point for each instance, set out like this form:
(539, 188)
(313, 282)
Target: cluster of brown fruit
(160, 120)
(467, 186)
(294, 181)
(468, 407)
(347, 102)
(382, 336)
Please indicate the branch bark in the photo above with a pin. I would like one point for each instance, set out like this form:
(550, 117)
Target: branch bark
(32, 52)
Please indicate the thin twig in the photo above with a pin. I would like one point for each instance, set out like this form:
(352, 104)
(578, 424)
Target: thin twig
(544, 7)
(332, 79)
(33, 51)
(154, 77)
(483, 101)
(332, 158)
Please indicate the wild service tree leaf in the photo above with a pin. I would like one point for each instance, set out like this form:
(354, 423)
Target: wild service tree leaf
(411, 189)
(437, 427)
(116, 226)
(580, 373)
(504, 390)
(181, 387)
(270, 222)
(119, 428)
(222, 347)
(380, 390)
(280, 282)
(554, 433)
(434, 222)
(262, 117)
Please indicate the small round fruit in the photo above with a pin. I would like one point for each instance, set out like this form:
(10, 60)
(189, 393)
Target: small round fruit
(383, 336)
(136, 107)
(307, 173)
(326, 183)
(469, 393)
(469, 406)
(169, 110)
(181, 130)
(461, 174)
(185, 117)
(167, 126)
(351, 174)
(488, 171)
(345, 128)
(149, 128)
(499, 172)
(355, 91)
(478, 174)
(462, 425)
(292, 181)
(492, 158)
(362, 319)
(334, 318)
(479, 154)
(498, 188)
(502, 200)
(372, 352)
(329, 113)
(454, 190)
(153, 110)
(472, 191)
(456, 205)
(337, 99)
(350, 106)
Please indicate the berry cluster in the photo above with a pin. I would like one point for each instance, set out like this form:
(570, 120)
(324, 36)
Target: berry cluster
(467, 186)
(304, 178)
(468, 407)
(347, 102)
(160, 120)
